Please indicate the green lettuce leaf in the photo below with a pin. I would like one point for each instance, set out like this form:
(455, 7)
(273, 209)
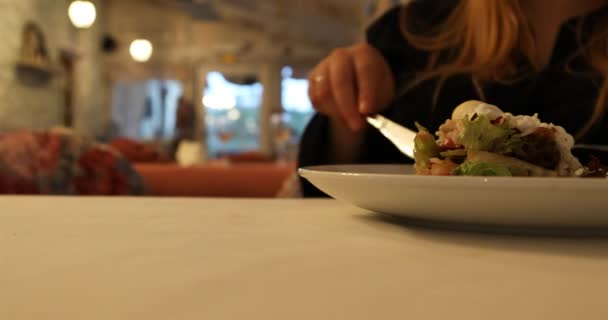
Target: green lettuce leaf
(482, 169)
(454, 153)
(425, 146)
(420, 127)
(480, 134)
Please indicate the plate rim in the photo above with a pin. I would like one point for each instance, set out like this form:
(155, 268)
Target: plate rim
(325, 171)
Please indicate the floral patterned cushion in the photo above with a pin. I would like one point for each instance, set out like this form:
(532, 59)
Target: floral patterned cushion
(60, 163)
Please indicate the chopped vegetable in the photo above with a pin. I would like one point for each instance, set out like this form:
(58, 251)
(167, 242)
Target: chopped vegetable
(481, 134)
(454, 153)
(425, 147)
(481, 169)
(420, 127)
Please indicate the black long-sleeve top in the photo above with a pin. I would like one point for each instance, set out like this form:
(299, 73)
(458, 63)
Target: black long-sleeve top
(564, 92)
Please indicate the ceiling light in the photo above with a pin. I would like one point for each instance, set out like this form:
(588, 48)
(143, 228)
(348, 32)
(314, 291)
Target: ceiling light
(82, 14)
(141, 50)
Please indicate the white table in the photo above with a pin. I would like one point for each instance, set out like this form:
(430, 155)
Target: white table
(75, 259)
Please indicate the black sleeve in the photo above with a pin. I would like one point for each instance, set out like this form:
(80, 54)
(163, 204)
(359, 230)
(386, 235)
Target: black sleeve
(386, 34)
(313, 151)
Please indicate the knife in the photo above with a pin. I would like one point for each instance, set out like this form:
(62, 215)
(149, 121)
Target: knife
(400, 136)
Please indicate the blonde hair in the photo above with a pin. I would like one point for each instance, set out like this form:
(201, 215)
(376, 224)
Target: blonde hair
(491, 55)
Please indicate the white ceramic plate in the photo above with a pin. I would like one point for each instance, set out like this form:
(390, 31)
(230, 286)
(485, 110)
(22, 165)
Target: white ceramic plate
(394, 189)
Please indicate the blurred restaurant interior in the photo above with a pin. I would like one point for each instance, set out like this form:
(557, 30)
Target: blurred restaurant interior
(149, 165)
(203, 97)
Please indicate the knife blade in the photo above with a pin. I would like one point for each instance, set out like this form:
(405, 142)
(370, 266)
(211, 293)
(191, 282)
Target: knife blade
(400, 136)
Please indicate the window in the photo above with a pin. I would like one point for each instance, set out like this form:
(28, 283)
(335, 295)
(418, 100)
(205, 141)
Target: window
(297, 109)
(145, 110)
(232, 113)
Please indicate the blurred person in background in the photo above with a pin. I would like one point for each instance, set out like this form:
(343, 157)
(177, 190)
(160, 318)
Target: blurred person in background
(185, 124)
(424, 58)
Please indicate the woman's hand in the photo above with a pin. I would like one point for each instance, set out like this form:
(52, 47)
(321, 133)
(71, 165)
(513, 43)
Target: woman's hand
(351, 83)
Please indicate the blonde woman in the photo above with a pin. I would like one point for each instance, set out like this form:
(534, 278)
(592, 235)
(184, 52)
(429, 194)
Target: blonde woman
(424, 58)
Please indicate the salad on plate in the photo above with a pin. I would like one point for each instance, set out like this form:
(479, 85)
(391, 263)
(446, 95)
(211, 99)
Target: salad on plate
(482, 140)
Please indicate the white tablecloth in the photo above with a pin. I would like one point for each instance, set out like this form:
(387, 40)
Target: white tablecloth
(75, 259)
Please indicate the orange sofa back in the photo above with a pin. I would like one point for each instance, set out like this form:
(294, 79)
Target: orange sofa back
(257, 180)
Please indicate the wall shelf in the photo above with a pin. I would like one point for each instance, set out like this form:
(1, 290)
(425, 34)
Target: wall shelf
(33, 74)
